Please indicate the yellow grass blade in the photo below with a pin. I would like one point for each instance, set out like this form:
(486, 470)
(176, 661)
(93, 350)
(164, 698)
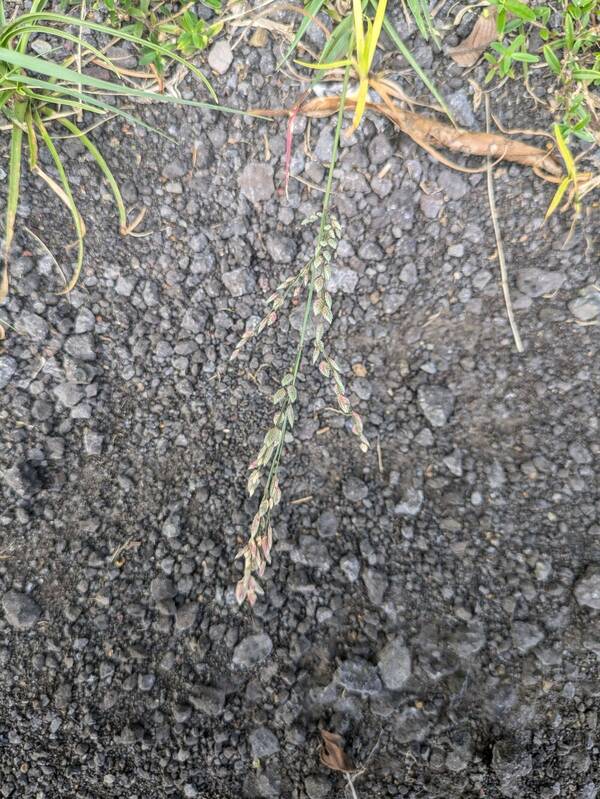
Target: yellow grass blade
(557, 197)
(565, 152)
(358, 26)
(361, 101)
(376, 31)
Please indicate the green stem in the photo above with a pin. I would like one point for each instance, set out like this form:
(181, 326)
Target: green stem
(311, 288)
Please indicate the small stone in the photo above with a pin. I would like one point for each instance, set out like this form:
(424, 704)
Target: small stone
(526, 635)
(327, 524)
(21, 610)
(376, 584)
(587, 307)
(431, 204)
(587, 589)
(263, 743)
(35, 326)
(68, 393)
(8, 366)
(239, 282)
(172, 526)
(456, 251)
(380, 149)
(210, 701)
(124, 286)
(220, 56)
(453, 463)
(81, 347)
(351, 568)
(342, 279)
(358, 676)
(85, 321)
(92, 442)
(146, 682)
(453, 185)
(411, 502)
(580, 453)
(185, 617)
(408, 274)
(252, 650)
(355, 490)
(536, 282)
(162, 588)
(370, 251)
(282, 249)
(395, 664)
(324, 146)
(461, 107)
(256, 182)
(317, 787)
(436, 403)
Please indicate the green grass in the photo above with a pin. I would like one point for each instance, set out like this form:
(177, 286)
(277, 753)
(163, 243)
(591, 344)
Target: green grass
(39, 94)
(569, 49)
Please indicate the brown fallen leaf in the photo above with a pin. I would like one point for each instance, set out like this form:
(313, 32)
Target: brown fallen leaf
(332, 754)
(483, 34)
(430, 133)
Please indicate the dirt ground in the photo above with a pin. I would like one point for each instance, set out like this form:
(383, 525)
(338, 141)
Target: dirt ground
(436, 601)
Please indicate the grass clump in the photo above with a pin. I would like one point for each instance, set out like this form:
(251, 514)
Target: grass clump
(42, 93)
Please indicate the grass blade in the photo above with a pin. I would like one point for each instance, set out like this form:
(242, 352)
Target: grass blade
(14, 180)
(312, 9)
(99, 159)
(65, 194)
(559, 194)
(12, 30)
(404, 51)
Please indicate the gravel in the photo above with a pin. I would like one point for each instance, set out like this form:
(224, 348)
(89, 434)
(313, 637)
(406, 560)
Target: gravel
(20, 610)
(435, 600)
(394, 663)
(254, 649)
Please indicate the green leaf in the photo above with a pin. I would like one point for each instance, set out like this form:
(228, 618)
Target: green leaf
(103, 166)
(520, 10)
(551, 59)
(526, 58)
(404, 51)
(586, 74)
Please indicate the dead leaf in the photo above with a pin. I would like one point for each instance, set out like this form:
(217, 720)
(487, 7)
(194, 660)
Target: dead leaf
(483, 34)
(430, 133)
(332, 754)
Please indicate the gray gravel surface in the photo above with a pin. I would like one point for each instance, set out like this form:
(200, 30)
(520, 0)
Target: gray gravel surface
(436, 602)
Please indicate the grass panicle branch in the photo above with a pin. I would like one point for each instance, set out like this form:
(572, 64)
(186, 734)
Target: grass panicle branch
(312, 278)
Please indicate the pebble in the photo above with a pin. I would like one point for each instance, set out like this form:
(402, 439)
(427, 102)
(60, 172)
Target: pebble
(380, 149)
(256, 181)
(81, 347)
(162, 588)
(21, 610)
(394, 663)
(68, 393)
(220, 56)
(351, 568)
(436, 404)
(342, 279)
(526, 635)
(282, 249)
(252, 650)
(92, 442)
(208, 700)
(317, 787)
(536, 282)
(411, 502)
(355, 490)
(239, 282)
(8, 366)
(587, 307)
(358, 676)
(34, 325)
(185, 617)
(587, 588)
(263, 743)
(327, 524)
